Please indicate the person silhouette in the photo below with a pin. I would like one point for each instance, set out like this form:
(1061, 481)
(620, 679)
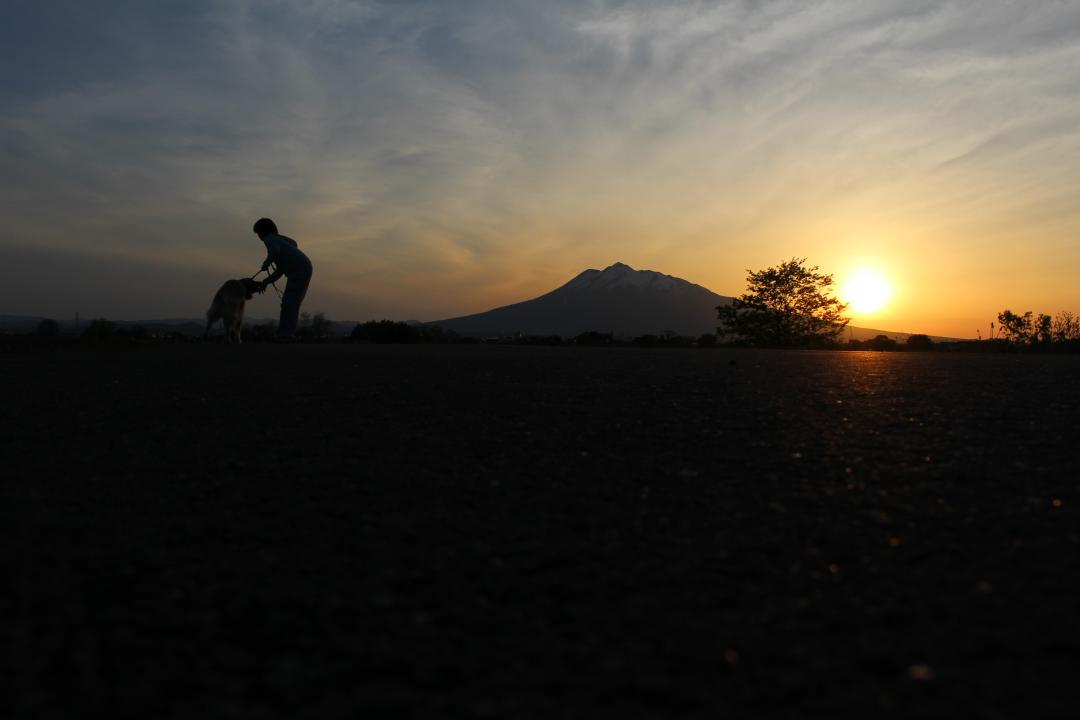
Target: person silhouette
(285, 257)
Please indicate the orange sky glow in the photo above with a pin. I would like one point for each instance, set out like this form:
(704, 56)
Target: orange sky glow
(435, 160)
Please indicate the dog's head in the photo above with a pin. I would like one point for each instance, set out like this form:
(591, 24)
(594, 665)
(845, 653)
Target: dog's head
(251, 287)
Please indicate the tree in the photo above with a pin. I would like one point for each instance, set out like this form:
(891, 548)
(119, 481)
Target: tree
(785, 306)
(880, 342)
(321, 328)
(1040, 331)
(48, 328)
(1015, 328)
(1066, 327)
(919, 341)
(101, 330)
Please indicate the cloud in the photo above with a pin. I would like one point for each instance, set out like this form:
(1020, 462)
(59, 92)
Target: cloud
(437, 158)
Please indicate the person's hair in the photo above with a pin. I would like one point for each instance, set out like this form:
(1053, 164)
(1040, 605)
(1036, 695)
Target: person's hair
(264, 226)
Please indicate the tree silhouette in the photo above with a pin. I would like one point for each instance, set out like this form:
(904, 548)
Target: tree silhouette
(1066, 327)
(101, 330)
(1015, 328)
(321, 328)
(880, 342)
(48, 328)
(1038, 330)
(919, 341)
(784, 306)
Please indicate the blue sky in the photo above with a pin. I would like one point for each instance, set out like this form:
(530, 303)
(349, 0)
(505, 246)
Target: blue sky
(439, 158)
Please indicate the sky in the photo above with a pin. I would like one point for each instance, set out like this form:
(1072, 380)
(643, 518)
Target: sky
(441, 158)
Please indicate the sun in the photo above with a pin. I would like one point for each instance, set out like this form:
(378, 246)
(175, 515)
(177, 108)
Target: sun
(867, 291)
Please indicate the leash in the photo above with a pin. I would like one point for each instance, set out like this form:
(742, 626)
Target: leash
(273, 285)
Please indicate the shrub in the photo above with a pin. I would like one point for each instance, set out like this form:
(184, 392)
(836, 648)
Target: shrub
(384, 331)
(880, 342)
(101, 330)
(919, 342)
(592, 337)
(48, 328)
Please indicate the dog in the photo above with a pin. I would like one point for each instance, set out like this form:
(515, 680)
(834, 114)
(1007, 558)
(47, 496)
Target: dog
(228, 306)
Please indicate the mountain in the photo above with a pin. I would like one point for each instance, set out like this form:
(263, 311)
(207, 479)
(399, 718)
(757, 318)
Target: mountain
(617, 299)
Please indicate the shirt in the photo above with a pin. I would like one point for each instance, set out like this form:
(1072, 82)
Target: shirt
(286, 256)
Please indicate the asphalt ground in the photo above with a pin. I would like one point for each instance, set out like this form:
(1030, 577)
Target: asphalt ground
(533, 532)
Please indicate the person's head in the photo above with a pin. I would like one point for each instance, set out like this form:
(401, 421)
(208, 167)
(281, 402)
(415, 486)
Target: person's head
(264, 227)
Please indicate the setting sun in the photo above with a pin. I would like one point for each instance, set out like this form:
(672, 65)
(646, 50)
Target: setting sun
(867, 291)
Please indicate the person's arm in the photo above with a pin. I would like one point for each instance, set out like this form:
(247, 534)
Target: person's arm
(278, 272)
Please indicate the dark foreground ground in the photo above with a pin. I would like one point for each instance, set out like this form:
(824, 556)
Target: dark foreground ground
(424, 531)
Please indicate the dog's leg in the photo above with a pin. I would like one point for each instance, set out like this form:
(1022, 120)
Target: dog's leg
(230, 327)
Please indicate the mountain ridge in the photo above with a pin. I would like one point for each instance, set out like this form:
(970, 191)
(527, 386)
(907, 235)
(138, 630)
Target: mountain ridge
(617, 299)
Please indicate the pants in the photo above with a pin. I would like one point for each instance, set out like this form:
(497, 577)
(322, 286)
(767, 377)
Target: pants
(295, 288)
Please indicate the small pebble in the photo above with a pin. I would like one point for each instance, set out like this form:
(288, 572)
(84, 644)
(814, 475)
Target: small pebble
(920, 672)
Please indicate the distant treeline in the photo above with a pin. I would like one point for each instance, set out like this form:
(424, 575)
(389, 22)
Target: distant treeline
(96, 333)
(1011, 333)
(389, 331)
(922, 343)
(1040, 330)
(318, 329)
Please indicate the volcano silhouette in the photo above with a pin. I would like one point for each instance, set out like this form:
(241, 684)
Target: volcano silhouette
(617, 299)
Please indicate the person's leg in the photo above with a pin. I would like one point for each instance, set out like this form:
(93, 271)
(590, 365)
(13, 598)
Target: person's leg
(295, 289)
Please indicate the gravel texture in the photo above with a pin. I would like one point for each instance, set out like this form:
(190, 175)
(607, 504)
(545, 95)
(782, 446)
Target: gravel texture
(533, 532)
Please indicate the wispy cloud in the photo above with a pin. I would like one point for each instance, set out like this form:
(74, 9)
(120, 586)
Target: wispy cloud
(441, 157)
